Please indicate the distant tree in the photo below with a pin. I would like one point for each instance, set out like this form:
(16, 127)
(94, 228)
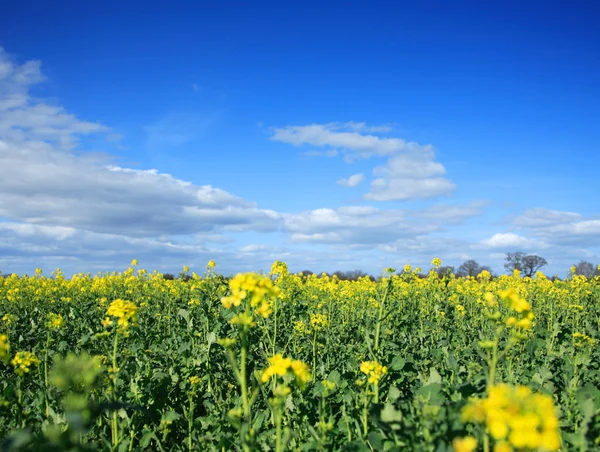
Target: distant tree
(514, 261)
(471, 268)
(307, 273)
(585, 268)
(445, 270)
(168, 276)
(351, 275)
(532, 264)
(527, 264)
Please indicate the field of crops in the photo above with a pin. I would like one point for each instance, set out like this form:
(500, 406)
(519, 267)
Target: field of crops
(279, 361)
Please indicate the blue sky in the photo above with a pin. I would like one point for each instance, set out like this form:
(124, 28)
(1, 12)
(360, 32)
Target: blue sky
(331, 135)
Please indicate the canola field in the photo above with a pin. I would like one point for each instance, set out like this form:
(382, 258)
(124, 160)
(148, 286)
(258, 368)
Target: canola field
(280, 361)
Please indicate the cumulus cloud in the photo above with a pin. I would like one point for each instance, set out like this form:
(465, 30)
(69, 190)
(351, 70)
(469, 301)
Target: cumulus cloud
(351, 181)
(508, 240)
(45, 179)
(410, 172)
(451, 213)
(539, 217)
(560, 228)
(367, 225)
(346, 136)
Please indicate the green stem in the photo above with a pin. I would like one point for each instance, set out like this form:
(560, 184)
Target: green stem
(275, 328)
(314, 353)
(364, 417)
(21, 417)
(380, 314)
(190, 422)
(278, 439)
(115, 426)
(46, 374)
(243, 383)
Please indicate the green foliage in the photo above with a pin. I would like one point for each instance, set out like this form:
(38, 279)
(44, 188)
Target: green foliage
(174, 388)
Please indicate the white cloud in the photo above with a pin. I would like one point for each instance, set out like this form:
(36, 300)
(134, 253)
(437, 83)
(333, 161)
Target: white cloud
(327, 153)
(451, 213)
(345, 136)
(351, 181)
(508, 240)
(410, 171)
(46, 180)
(355, 226)
(560, 228)
(260, 248)
(539, 217)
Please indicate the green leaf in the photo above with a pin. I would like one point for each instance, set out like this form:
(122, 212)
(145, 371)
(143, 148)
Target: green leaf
(434, 376)
(170, 416)
(390, 414)
(397, 363)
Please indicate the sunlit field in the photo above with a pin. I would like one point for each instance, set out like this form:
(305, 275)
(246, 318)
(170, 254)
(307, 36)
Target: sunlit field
(280, 361)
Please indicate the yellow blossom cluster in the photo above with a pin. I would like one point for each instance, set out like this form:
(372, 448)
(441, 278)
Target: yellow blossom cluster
(466, 444)
(243, 319)
(580, 339)
(318, 322)
(4, 347)
(253, 287)
(519, 305)
(194, 380)
(279, 268)
(278, 365)
(373, 370)
(516, 418)
(54, 321)
(125, 311)
(300, 327)
(23, 361)
(8, 318)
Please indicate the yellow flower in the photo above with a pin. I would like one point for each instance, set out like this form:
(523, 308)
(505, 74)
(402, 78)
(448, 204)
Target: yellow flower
(134, 263)
(318, 321)
(211, 264)
(264, 310)
(373, 370)
(301, 371)
(517, 418)
(23, 361)
(226, 342)
(502, 446)
(106, 322)
(524, 323)
(8, 318)
(250, 286)
(436, 262)
(278, 365)
(279, 268)
(55, 321)
(124, 311)
(4, 347)
(328, 385)
(243, 319)
(194, 380)
(466, 444)
(186, 269)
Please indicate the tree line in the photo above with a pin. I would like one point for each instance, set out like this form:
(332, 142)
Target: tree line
(526, 264)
